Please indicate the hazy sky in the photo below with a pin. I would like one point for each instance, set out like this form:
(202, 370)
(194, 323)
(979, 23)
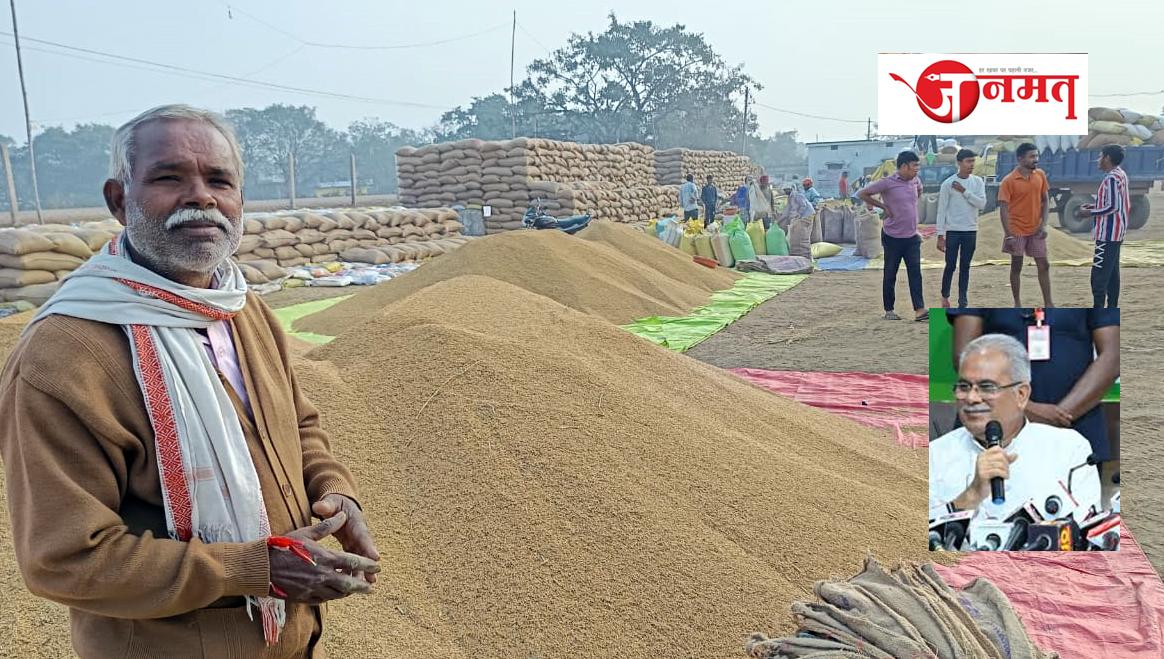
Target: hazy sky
(816, 58)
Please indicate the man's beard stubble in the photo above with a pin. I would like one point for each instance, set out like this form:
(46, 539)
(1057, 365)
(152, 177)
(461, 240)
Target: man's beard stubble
(158, 242)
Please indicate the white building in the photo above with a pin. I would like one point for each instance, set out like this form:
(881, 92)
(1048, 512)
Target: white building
(826, 161)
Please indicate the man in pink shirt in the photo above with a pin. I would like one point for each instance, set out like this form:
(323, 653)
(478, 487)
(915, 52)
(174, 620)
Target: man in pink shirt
(899, 194)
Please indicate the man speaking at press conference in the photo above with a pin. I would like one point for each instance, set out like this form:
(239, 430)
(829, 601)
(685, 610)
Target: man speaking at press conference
(1032, 459)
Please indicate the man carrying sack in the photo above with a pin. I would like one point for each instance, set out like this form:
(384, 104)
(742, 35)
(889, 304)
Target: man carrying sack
(162, 463)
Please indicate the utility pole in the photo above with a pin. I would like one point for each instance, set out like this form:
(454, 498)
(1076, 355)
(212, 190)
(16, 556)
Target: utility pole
(11, 183)
(869, 128)
(27, 118)
(747, 97)
(291, 180)
(512, 60)
(353, 180)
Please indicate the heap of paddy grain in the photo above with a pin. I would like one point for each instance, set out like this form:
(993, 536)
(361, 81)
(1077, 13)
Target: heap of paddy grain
(612, 181)
(618, 284)
(547, 484)
(34, 259)
(673, 165)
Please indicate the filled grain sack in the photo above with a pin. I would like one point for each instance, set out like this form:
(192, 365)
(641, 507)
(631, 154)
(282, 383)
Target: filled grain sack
(1107, 127)
(36, 294)
(270, 269)
(1104, 114)
(800, 237)
(13, 278)
(18, 242)
(868, 228)
(94, 238)
(51, 261)
(252, 275)
(364, 255)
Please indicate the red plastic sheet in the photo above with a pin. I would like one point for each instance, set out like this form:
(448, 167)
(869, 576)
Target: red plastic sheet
(895, 401)
(1083, 605)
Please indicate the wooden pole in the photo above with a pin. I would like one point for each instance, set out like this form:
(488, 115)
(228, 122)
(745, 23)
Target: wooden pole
(353, 180)
(747, 97)
(12, 206)
(27, 117)
(291, 179)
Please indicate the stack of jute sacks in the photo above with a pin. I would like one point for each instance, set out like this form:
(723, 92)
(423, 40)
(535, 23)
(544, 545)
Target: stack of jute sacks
(372, 236)
(1124, 127)
(611, 181)
(673, 165)
(34, 259)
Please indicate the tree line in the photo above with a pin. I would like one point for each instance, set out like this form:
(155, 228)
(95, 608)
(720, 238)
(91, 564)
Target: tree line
(634, 82)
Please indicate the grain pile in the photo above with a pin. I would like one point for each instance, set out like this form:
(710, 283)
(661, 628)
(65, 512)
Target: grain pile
(588, 276)
(673, 165)
(1060, 245)
(660, 256)
(552, 486)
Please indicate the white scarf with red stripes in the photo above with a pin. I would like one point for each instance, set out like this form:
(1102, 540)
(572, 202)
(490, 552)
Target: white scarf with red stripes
(209, 483)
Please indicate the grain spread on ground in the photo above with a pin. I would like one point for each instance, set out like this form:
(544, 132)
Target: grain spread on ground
(584, 275)
(542, 483)
(1060, 245)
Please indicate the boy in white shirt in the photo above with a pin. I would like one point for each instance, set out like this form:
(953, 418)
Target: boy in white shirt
(962, 197)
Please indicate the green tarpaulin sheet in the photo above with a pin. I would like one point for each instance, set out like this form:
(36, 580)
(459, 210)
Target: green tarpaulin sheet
(288, 315)
(682, 334)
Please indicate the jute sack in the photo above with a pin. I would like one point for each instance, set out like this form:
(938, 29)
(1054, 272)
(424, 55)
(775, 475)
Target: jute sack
(51, 261)
(13, 278)
(800, 237)
(868, 229)
(18, 242)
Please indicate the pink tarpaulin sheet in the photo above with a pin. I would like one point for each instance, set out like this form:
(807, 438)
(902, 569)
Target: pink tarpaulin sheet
(895, 401)
(1083, 605)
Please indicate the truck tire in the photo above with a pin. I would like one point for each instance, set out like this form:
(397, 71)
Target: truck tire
(1138, 216)
(1067, 218)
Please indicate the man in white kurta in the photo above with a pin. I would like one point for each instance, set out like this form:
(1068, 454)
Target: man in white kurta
(1034, 460)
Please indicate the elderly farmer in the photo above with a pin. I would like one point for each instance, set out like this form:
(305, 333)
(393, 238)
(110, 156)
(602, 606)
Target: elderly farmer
(162, 463)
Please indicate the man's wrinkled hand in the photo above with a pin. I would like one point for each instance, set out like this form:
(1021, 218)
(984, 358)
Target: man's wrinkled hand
(328, 576)
(353, 536)
(942, 244)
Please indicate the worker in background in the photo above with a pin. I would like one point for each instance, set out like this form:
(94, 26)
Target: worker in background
(741, 201)
(1023, 207)
(689, 199)
(763, 202)
(811, 194)
(843, 186)
(1111, 223)
(962, 196)
(899, 236)
(797, 207)
(710, 198)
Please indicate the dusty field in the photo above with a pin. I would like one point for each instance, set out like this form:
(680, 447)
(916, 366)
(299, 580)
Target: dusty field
(67, 215)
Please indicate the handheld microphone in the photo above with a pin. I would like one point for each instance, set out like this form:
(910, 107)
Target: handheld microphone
(950, 529)
(1091, 462)
(994, 438)
(935, 541)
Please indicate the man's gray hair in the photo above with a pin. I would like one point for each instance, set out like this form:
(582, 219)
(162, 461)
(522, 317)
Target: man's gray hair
(1020, 363)
(121, 153)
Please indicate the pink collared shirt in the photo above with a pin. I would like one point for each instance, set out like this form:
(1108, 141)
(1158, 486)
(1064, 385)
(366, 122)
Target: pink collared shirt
(220, 347)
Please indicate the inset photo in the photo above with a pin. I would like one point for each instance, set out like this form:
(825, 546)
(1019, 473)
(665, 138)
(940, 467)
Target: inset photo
(1024, 429)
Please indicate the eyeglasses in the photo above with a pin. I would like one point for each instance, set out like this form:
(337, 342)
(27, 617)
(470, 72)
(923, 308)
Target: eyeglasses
(988, 389)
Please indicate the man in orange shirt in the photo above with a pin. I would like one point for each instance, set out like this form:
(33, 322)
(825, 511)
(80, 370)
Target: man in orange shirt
(1023, 204)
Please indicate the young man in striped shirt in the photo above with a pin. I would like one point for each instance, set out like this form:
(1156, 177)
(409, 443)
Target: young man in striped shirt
(1111, 223)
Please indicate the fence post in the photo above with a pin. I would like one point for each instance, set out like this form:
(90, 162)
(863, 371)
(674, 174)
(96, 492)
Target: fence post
(353, 156)
(291, 164)
(12, 205)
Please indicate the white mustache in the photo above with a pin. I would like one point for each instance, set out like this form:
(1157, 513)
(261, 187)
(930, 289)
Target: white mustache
(187, 215)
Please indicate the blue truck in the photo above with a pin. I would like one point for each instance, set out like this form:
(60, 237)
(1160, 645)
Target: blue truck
(1074, 177)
